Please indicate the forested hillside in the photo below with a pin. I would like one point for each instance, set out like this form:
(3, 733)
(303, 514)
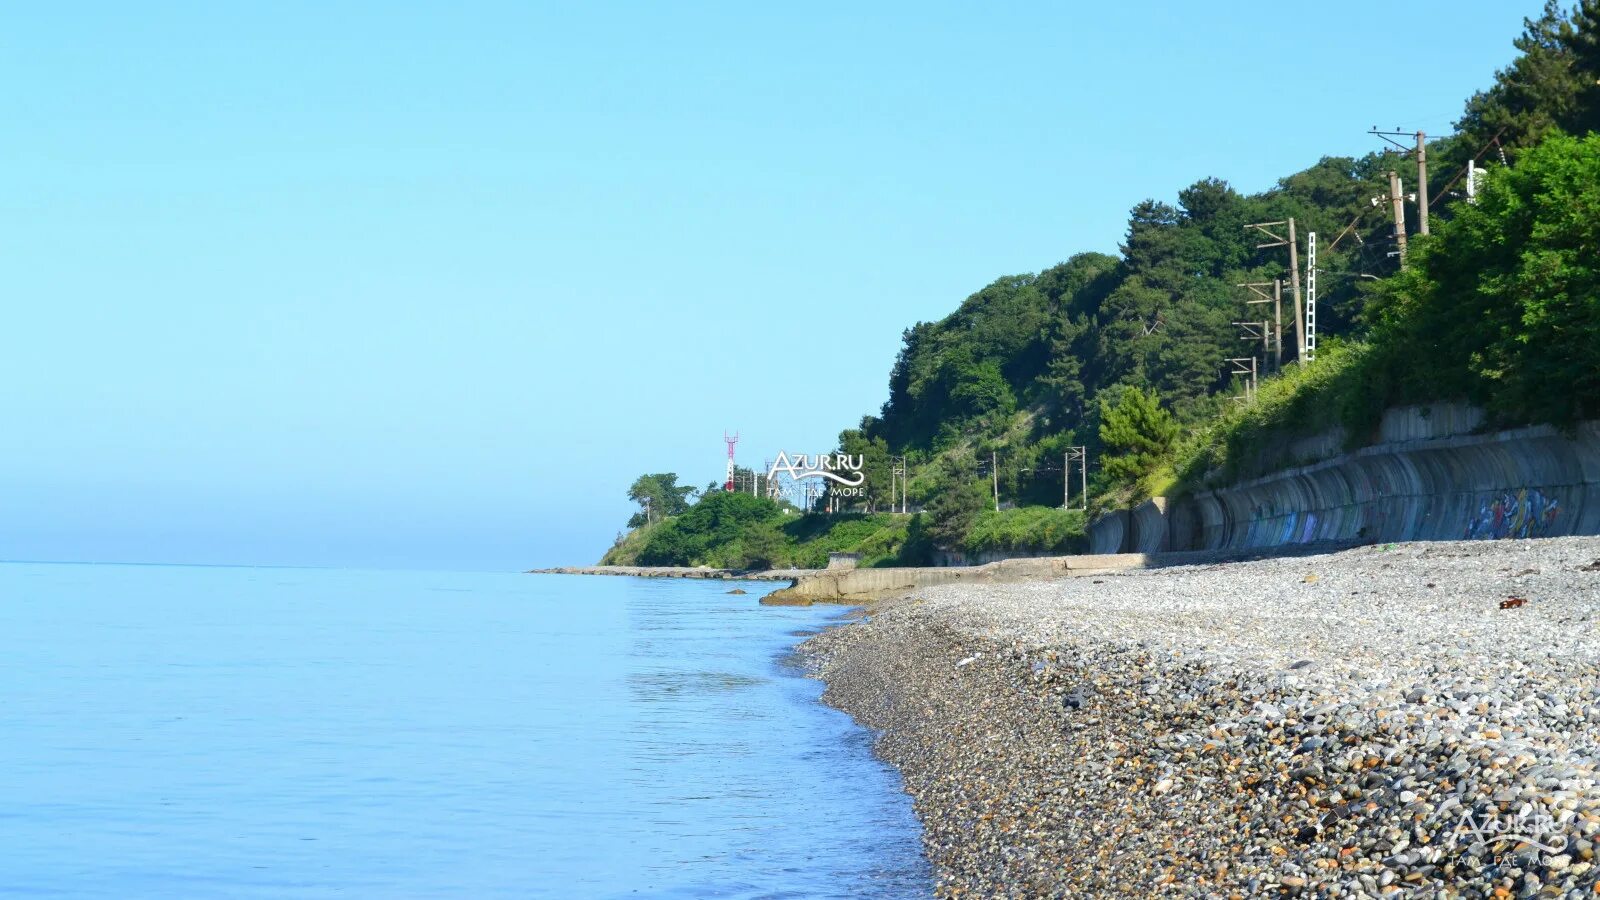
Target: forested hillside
(1032, 364)
(1126, 354)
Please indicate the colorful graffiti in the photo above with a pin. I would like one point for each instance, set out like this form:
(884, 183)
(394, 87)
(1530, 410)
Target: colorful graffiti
(1524, 514)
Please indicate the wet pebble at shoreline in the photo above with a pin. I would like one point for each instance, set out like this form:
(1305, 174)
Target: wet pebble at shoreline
(1365, 724)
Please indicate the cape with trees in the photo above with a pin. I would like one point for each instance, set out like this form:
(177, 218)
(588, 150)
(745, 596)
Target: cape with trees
(1124, 354)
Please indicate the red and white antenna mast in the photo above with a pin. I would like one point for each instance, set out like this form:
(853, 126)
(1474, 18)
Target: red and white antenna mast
(731, 441)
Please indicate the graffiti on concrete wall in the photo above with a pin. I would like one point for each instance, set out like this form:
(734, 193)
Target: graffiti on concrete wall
(1522, 514)
(1269, 526)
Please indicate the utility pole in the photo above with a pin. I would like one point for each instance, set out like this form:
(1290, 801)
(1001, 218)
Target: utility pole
(1294, 289)
(899, 471)
(1420, 150)
(1277, 318)
(1240, 368)
(1083, 473)
(1276, 299)
(1398, 201)
(1257, 331)
(1422, 181)
(994, 469)
(1080, 455)
(1292, 243)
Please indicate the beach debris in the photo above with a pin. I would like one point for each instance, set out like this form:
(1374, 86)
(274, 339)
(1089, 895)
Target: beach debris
(1313, 578)
(1591, 567)
(1513, 602)
(969, 660)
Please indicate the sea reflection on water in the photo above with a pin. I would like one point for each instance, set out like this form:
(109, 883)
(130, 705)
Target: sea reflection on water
(176, 731)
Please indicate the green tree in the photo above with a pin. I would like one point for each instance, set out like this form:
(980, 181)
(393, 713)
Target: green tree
(764, 547)
(1502, 304)
(1551, 85)
(955, 499)
(875, 464)
(659, 497)
(718, 520)
(1136, 435)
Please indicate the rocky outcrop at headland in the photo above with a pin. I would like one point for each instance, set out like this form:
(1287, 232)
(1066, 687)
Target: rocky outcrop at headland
(1370, 723)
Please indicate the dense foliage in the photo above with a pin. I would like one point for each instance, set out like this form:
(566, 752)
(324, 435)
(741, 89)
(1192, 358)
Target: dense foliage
(1502, 305)
(1496, 309)
(1499, 307)
(1038, 529)
(1126, 354)
(659, 497)
(1136, 435)
(738, 531)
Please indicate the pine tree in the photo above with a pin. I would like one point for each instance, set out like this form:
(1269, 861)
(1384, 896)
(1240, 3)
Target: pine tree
(1136, 435)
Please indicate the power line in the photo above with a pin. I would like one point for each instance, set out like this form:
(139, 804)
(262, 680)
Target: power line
(1493, 142)
(1420, 152)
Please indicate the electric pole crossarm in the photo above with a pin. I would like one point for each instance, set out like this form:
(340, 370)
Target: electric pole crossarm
(1278, 239)
(1286, 240)
(1391, 135)
(1257, 288)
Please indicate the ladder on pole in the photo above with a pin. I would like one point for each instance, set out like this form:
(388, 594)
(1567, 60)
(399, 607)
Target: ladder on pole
(1311, 296)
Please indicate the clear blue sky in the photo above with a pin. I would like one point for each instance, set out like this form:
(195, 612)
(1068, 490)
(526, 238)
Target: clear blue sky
(427, 285)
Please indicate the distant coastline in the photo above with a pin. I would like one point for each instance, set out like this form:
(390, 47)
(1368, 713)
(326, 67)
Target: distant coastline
(705, 572)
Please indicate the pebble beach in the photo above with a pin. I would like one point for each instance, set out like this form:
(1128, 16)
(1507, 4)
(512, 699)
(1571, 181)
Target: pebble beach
(1411, 720)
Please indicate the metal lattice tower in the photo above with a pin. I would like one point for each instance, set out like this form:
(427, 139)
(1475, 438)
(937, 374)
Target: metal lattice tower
(1311, 296)
(731, 441)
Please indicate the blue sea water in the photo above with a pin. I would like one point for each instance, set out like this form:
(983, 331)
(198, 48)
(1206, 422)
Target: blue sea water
(176, 731)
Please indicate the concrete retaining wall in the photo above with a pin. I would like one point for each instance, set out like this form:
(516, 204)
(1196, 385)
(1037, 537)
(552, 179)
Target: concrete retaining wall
(957, 558)
(1527, 482)
(1148, 531)
(1109, 533)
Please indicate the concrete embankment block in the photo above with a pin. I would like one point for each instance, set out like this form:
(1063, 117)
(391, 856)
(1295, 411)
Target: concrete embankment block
(1432, 482)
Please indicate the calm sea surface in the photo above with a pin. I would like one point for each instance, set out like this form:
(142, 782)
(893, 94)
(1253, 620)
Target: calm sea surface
(176, 731)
